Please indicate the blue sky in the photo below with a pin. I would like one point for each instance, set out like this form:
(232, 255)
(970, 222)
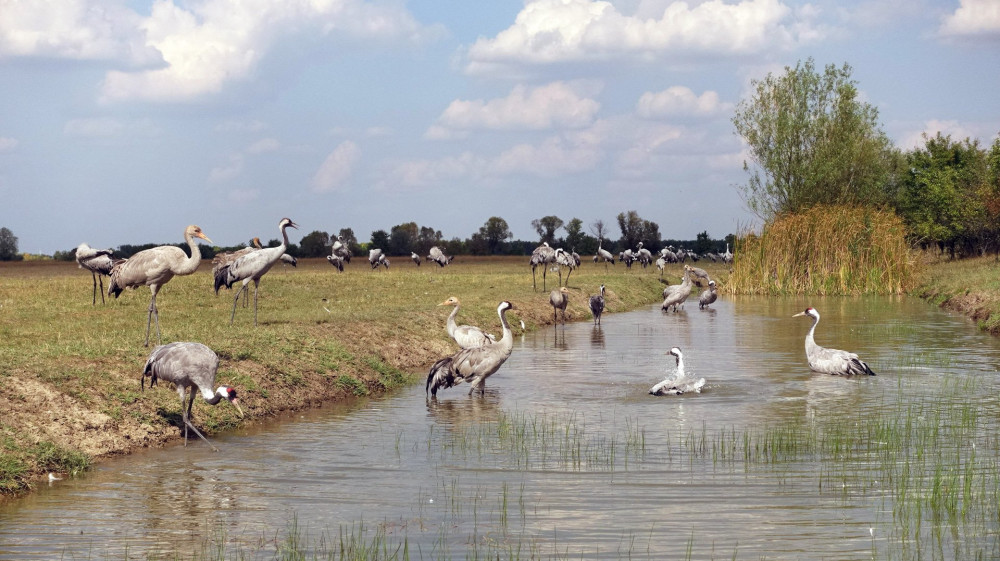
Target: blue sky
(125, 121)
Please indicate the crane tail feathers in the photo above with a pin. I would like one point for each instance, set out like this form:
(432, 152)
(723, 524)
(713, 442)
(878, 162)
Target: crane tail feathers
(859, 367)
(441, 375)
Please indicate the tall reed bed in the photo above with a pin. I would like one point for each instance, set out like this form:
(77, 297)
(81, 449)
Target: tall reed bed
(826, 250)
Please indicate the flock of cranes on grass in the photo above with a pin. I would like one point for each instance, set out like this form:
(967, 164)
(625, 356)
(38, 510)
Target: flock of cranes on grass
(192, 366)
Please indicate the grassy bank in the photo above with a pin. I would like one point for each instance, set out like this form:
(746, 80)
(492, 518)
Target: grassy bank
(70, 371)
(969, 286)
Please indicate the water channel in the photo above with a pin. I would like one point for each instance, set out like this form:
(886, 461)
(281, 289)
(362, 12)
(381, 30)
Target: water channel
(566, 455)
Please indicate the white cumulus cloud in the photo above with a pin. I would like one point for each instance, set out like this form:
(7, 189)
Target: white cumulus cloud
(551, 31)
(74, 29)
(205, 45)
(679, 101)
(336, 169)
(552, 106)
(973, 18)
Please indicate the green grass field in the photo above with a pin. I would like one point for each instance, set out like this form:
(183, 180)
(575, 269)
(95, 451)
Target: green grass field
(70, 371)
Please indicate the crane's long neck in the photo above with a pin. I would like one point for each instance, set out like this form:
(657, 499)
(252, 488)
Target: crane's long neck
(680, 366)
(190, 264)
(211, 396)
(507, 340)
(686, 281)
(810, 337)
(452, 325)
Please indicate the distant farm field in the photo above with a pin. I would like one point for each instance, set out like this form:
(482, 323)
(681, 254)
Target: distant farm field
(70, 371)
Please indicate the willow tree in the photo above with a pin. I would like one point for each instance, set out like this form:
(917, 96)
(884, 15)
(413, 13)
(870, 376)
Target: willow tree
(812, 141)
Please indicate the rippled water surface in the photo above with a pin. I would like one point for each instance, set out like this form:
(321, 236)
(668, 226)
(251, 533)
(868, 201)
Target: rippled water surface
(565, 456)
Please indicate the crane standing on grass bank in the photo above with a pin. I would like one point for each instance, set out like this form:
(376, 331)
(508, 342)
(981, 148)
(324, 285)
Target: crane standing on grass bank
(188, 366)
(98, 262)
(253, 266)
(154, 267)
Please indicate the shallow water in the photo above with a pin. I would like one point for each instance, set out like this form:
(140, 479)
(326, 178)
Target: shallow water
(600, 470)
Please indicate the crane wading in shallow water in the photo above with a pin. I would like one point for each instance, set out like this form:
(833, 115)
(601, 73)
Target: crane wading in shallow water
(188, 366)
(473, 365)
(677, 382)
(253, 266)
(597, 306)
(154, 267)
(98, 262)
(559, 299)
(830, 361)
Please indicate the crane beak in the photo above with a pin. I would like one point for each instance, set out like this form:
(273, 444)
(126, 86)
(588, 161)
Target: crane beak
(799, 314)
(204, 237)
(236, 402)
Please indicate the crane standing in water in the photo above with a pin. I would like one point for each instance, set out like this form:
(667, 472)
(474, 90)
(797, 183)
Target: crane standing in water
(830, 361)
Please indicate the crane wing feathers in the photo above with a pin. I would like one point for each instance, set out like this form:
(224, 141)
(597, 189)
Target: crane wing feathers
(835, 361)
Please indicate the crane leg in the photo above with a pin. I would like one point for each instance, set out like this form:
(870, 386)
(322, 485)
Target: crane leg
(186, 414)
(256, 285)
(235, 301)
(153, 313)
(100, 280)
(533, 285)
(94, 276)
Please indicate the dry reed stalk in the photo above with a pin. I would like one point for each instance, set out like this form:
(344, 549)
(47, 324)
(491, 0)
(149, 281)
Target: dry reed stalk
(826, 250)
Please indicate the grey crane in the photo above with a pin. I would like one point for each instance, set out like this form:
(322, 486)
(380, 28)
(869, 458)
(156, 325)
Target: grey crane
(473, 365)
(830, 361)
(188, 366)
(661, 264)
(727, 256)
(708, 296)
(604, 255)
(541, 256)
(699, 273)
(675, 295)
(569, 260)
(597, 306)
(222, 261)
(415, 258)
(678, 382)
(155, 267)
(377, 258)
(341, 250)
(559, 299)
(254, 265)
(436, 255)
(98, 262)
(337, 261)
(467, 336)
(643, 256)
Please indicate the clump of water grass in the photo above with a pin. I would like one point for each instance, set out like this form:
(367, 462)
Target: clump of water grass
(826, 250)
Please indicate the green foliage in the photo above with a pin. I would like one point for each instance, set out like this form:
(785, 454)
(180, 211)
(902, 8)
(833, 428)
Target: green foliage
(546, 227)
(402, 238)
(315, 244)
(950, 195)
(380, 240)
(8, 245)
(495, 232)
(634, 230)
(811, 141)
